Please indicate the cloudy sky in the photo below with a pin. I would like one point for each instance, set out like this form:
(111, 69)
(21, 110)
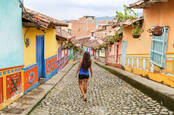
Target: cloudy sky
(73, 9)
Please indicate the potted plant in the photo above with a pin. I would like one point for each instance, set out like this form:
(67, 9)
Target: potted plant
(137, 30)
(117, 36)
(157, 31)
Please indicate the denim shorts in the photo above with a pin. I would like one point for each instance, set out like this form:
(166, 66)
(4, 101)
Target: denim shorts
(83, 76)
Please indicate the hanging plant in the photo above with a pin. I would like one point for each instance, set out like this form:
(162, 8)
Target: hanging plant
(104, 45)
(157, 31)
(117, 36)
(137, 30)
(110, 39)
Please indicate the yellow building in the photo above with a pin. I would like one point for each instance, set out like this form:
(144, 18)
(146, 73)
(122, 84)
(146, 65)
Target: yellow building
(40, 48)
(152, 55)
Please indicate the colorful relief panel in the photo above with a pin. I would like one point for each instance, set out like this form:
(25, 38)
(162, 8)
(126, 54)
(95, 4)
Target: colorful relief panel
(51, 64)
(130, 62)
(127, 61)
(14, 84)
(135, 62)
(170, 66)
(30, 76)
(141, 63)
(1, 90)
(148, 64)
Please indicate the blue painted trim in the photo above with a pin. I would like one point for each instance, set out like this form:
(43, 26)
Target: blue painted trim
(170, 74)
(29, 67)
(51, 74)
(137, 63)
(0, 74)
(32, 87)
(48, 67)
(152, 68)
(52, 65)
(31, 81)
(4, 73)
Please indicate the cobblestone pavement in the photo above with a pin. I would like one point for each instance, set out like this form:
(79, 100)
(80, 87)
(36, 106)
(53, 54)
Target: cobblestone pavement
(106, 95)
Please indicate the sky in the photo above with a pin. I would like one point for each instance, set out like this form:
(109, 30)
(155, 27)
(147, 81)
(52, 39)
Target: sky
(74, 9)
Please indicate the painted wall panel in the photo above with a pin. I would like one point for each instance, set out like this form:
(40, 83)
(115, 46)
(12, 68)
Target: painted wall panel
(1, 90)
(14, 84)
(11, 34)
(30, 77)
(51, 66)
(51, 44)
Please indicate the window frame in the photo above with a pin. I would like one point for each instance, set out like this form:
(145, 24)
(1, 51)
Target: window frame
(154, 53)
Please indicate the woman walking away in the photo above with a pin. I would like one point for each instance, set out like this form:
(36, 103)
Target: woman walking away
(83, 73)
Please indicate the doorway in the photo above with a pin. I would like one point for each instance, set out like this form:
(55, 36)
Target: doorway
(40, 55)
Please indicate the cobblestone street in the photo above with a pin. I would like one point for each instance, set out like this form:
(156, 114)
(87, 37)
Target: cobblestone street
(106, 95)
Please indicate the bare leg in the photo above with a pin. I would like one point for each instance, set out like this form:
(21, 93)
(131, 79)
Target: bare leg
(81, 88)
(85, 85)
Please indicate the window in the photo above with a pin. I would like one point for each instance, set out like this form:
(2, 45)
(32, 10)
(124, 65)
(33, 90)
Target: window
(102, 50)
(158, 48)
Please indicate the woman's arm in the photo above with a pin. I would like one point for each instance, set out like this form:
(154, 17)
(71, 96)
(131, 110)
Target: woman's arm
(91, 69)
(78, 69)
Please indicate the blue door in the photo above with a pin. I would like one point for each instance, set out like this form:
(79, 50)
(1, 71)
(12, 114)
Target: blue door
(124, 48)
(40, 55)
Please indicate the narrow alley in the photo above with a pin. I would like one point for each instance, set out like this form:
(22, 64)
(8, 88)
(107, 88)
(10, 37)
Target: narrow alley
(106, 95)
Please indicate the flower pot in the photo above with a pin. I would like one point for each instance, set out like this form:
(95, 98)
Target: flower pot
(157, 31)
(136, 35)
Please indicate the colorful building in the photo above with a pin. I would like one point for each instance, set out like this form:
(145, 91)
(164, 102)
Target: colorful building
(151, 55)
(114, 51)
(83, 26)
(11, 58)
(41, 48)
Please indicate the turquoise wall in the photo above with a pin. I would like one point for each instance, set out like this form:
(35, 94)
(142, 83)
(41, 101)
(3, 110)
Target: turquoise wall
(11, 42)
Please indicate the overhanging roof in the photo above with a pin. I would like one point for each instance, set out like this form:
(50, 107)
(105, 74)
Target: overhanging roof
(41, 19)
(145, 3)
(127, 22)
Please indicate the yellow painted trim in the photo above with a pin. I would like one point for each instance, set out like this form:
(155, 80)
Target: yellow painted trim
(4, 89)
(170, 53)
(1, 106)
(14, 98)
(70, 61)
(137, 54)
(166, 70)
(22, 80)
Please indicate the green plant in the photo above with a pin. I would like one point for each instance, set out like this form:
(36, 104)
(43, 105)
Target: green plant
(117, 36)
(137, 29)
(128, 14)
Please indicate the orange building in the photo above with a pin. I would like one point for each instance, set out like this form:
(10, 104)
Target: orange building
(152, 55)
(83, 26)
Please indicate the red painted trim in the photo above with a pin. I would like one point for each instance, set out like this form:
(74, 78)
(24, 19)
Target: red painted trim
(11, 67)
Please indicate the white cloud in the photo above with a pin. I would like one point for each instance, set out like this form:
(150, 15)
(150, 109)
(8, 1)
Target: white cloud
(73, 9)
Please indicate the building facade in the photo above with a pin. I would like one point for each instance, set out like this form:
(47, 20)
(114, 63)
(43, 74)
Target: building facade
(151, 56)
(11, 58)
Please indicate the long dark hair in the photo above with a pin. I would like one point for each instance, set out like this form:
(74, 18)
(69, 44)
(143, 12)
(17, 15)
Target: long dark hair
(86, 62)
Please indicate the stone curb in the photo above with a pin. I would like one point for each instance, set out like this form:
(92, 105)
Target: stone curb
(28, 102)
(159, 92)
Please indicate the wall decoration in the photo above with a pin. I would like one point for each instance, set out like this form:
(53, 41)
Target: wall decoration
(13, 84)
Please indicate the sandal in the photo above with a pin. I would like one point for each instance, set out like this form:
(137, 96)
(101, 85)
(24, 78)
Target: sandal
(84, 99)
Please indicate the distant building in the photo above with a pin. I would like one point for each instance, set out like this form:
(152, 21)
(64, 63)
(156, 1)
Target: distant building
(83, 26)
